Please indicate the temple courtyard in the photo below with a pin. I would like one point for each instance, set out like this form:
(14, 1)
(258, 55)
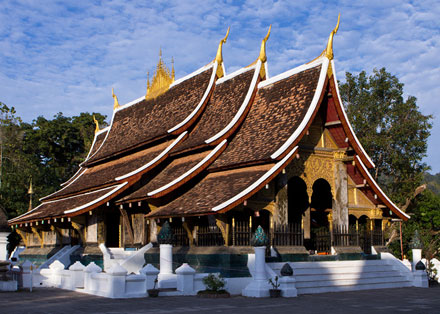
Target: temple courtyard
(401, 300)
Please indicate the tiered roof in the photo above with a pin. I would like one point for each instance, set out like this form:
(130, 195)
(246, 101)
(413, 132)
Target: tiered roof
(209, 142)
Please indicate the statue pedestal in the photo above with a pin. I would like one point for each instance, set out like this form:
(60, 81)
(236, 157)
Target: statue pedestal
(3, 244)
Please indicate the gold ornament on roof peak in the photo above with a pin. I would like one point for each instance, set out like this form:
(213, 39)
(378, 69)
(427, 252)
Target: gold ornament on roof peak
(262, 56)
(116, 103)
(161, 80)
(219, 56)
(329, 49)
(97, 124)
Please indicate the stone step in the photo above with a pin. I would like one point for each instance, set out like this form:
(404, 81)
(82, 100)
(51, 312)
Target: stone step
(387, 285)
(337, 264)
(346, 275)
(350, 282)
(322, 270)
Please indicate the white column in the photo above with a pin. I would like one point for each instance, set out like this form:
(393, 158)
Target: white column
(259, 286)
(416, 257)
(166, 259)
(3, 244)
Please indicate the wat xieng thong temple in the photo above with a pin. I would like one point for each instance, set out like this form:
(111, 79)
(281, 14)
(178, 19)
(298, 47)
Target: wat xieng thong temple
(215, 155)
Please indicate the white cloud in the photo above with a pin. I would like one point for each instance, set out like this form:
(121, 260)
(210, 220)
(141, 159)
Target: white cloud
(66, 56)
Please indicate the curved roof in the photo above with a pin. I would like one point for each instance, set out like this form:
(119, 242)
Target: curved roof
(152, 119)
(280, 106)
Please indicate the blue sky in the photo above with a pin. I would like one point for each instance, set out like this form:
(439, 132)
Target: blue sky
(67, 55)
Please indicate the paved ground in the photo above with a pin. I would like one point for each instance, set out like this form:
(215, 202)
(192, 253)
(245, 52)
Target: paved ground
(46, 300)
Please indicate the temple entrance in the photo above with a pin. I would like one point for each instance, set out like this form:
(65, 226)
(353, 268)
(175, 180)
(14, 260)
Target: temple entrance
(113, 228)
(321, 205)
(298, 199)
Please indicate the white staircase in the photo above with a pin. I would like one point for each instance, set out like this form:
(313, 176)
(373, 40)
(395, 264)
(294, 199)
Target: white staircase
(132, 261)
(335, 276)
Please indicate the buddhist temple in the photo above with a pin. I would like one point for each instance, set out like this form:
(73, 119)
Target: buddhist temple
(215, 155)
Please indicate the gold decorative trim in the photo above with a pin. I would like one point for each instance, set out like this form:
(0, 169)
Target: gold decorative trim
(97, 124)
(78, 227)
(23, 235)
(38, 234)
(116, 103)
(219, 55)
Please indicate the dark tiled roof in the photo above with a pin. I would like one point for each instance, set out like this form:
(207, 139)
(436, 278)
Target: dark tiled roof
(172, 171)
(106, 173)
(151, 119)
(56, 208)
(221, 109)
(277, 111)
(213, 190)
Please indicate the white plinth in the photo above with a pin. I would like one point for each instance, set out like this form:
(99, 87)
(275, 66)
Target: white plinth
(259, 286)
(3, 246)
(417, 256)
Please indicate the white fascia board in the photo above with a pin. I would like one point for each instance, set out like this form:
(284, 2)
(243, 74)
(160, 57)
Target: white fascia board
(192, 114)
(152, 162)
(131, 103)
(242, 107)
(346, 118)
(291, 72)
(358, 160)
(27, 213)
(189, 172)
(117, 188)
(234, 74)
(309, 112)
(79, 170)
(66, 186)
(266, 69)
(187, 77)
(254, 185)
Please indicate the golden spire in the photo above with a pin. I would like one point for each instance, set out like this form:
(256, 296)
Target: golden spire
(219, 56)
(161, 80)
(30, 192)
(97, 124)
(329, 49)
(262, 55)
(116, 104)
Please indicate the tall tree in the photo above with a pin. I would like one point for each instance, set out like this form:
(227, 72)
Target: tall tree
(392, 130)
(48, 151)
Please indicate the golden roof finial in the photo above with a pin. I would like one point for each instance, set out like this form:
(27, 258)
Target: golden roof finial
(329, 50)
(263, 56)
(116, 104)
(30, 192)
(161, 80)
(219, 56)
(96, 123)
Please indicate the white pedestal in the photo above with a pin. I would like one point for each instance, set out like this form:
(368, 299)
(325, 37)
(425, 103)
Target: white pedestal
(258, 287)
(417, 256)
(3, 244)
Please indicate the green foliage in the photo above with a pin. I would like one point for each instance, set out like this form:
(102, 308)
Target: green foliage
(392, 130)
(48, 151)
(274, 283)
(433, 182)
(214, 283)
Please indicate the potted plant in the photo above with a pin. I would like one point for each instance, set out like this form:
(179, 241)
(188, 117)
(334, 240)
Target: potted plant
(153, 292)
(214, 287)
(274, 292)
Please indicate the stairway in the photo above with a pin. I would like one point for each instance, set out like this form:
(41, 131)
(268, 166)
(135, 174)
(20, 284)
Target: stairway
(336, 276)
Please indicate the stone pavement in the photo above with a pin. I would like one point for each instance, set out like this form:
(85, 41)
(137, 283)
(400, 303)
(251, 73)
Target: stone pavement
(402, 300)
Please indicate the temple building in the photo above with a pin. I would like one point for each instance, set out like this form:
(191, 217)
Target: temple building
(215, 155)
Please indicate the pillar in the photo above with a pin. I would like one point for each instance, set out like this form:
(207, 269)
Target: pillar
(258, 287)
(3, 246)
(340, 199)
(166, 259)
(185, 279)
